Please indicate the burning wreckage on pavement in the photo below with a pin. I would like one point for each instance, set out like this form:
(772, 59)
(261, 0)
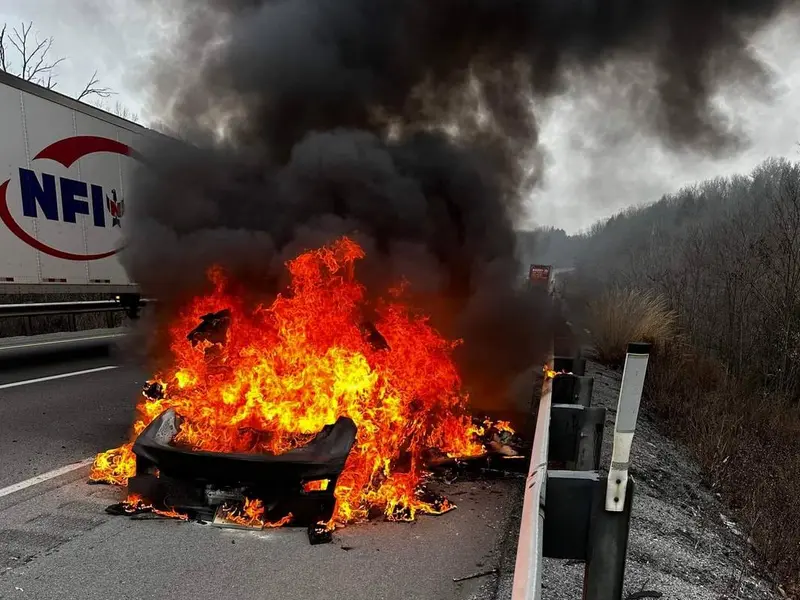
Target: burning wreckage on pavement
(302, 413)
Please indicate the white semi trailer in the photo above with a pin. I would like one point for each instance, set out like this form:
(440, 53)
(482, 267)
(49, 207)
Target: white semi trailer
(65, 173)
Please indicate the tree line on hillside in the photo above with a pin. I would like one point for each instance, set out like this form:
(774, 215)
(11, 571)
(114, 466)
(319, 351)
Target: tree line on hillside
(725, 254)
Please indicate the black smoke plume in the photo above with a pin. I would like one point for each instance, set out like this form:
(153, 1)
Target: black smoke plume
(409, 124)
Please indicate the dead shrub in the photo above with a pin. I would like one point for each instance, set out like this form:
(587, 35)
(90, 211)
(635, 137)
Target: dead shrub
(621, 315)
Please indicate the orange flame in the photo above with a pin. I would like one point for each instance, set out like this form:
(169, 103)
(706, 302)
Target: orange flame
(251, 514)
(550, 373)
(135, 503)
(499, 426)
(114, 466)
(290, 368)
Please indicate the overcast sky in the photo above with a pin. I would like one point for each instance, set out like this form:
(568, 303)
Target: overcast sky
(596, 165)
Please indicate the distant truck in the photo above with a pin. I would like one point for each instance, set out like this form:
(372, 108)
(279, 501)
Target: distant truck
(541, 276)
(65, 173)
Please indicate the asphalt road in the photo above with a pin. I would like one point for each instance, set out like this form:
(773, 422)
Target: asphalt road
(48, 423)
(57, 542)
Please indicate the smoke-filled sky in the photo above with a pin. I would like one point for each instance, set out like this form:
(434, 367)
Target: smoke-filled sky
(599, 163)
(597, 159)
(427, 130)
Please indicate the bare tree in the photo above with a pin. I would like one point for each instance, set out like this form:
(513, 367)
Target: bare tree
(32, 61)
(33, 55)
(119, 109)
(3, 63)
(123, 111)
(93, 88)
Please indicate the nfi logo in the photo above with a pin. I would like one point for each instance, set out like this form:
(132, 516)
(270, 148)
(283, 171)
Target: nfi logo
(40, 195)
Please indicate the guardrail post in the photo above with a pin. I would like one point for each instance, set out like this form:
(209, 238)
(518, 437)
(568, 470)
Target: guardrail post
(608, 546)
(613, 498)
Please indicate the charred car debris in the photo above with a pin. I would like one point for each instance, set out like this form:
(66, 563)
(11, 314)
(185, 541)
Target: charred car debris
(207, 485)
(261, 490)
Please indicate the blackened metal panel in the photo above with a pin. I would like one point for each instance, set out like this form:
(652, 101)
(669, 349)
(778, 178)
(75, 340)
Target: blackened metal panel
(569, 511)
(322, 458)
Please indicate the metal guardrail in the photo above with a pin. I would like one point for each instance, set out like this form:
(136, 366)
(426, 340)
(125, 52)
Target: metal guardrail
(528, 568)
(131, 305)
(572, 508)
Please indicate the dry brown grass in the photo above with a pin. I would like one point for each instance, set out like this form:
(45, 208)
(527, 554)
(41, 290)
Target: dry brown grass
(619, 316)
(747, 442)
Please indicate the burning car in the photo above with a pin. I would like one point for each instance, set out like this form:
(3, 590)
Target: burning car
(297, 412)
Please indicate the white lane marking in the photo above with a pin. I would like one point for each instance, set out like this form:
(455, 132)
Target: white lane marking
(65, 341)
(5, 386)
(45, 477)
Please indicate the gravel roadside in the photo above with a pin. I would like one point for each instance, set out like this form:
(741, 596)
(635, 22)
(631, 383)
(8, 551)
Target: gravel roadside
(683, 545)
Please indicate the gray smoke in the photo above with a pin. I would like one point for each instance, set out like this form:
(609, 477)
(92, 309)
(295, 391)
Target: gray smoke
(407, 124)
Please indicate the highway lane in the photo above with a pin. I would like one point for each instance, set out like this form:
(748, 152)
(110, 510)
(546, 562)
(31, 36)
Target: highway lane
(47, 422)
(17, 373)
(24, 352)
(57, 541)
